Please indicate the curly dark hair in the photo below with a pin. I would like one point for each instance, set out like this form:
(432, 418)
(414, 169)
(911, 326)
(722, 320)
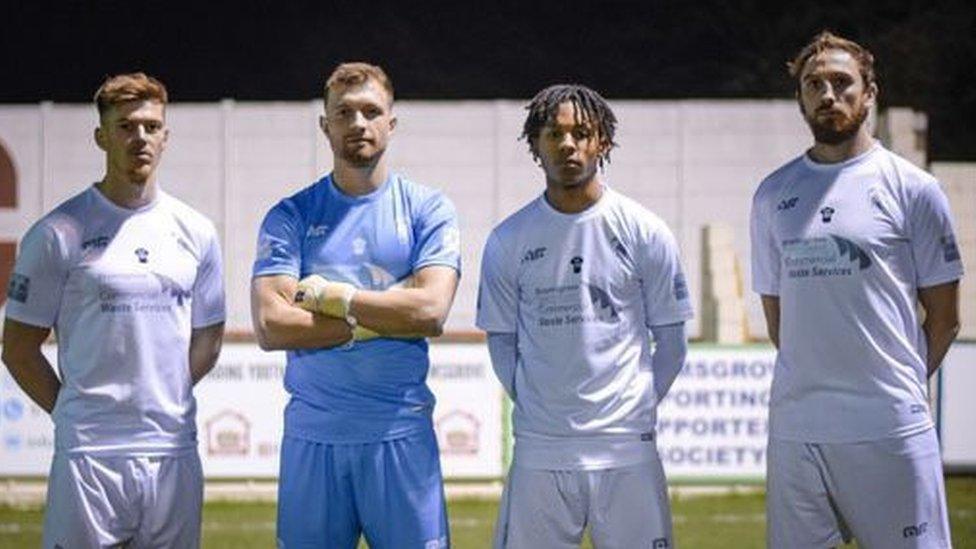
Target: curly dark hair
(591, 108)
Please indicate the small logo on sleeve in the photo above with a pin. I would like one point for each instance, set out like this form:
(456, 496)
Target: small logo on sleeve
(950, 252)
(19, 288)
(680, 287)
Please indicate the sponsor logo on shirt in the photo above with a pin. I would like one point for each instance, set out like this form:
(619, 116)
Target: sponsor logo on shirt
(602, 304)
(19, 287)
(680, 287)
(950, 252)
(823, 257)
(826, 214)
(172, 288)
(534, 254)
(915, 530)
(787, 204)
(576, 263)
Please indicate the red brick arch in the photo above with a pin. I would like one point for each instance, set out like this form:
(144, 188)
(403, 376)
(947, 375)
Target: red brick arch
(8, 199)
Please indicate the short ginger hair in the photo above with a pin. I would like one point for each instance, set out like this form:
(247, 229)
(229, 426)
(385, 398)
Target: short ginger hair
(350, 75)
(133, 86)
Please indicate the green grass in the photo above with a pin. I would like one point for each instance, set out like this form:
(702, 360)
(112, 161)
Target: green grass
(727, 521)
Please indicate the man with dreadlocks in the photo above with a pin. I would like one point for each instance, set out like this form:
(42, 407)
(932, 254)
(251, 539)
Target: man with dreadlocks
(570, 286)
(847, 240)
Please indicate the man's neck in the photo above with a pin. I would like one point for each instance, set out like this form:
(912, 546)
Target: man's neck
(126, 193)
(571, 200)
(858, 144)
(359, 181)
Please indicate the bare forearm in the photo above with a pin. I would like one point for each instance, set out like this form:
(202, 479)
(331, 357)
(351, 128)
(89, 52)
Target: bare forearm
(34, 374)
(938, 338)
(400, 312)
(205, 346)
(289, 327)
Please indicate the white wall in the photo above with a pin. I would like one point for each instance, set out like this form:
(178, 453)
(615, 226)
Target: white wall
(691, 162)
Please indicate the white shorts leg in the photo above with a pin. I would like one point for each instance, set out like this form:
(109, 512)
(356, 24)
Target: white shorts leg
(98, 501)
(91, 502)
(629, 507)
(885, 493)
(891, 491)
(172, 502)
(541, 510)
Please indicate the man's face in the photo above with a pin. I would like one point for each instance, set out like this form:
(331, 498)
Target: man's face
(358, 122)
(133, 135)
(568, 148)
(833, 96)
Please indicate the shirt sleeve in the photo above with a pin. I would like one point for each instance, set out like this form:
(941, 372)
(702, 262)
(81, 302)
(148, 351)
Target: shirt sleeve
(280, 242)
(932, 238)
(437, 235)
(765, 252)
(38, 278)
(498, 290)
(665, 290)
(208, 289)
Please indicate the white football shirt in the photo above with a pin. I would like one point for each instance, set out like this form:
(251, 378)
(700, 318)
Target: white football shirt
(845, 247)
(580, 291)
(122, 289)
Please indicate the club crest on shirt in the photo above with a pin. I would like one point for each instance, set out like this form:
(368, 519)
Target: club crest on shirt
(576, 263)
(142, 254)
(826, 214)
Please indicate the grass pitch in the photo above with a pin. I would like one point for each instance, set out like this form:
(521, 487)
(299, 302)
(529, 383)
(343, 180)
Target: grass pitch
(726, 521)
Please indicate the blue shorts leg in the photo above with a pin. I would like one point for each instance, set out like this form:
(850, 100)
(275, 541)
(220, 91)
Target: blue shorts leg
(400, 494)
(316, 506)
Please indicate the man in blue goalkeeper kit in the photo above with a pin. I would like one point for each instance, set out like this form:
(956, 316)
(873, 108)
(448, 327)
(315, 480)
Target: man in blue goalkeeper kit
(351, 274)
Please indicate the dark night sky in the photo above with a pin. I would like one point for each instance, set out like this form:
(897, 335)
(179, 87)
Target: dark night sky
(926, 51)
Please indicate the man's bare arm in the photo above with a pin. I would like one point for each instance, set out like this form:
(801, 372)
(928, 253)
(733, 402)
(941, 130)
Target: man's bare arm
(280, 324)
(419, 310)
(28, 366)
(941, 304)
(204, 349)
(770, 304)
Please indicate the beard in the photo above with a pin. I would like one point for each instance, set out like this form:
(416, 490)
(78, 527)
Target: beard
(833, 131)
(361, 157)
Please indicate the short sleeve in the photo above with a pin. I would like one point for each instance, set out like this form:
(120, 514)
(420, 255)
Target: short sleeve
(208, 288)
(765, 252)
(932, 238)
(663, 284)
(437, 235)
(279, 242)
(498, 290)
(38, 278)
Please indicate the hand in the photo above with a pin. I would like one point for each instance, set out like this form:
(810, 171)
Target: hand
(317, 294)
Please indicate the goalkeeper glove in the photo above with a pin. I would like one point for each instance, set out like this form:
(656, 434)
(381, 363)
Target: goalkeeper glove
(320, 295)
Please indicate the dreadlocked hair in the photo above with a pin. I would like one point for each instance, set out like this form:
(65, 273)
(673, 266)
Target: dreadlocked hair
(590, 107)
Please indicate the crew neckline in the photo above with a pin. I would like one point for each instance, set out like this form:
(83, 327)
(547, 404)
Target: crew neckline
(122, 209)
(592, 210)
(833, 166)
(341, 195)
